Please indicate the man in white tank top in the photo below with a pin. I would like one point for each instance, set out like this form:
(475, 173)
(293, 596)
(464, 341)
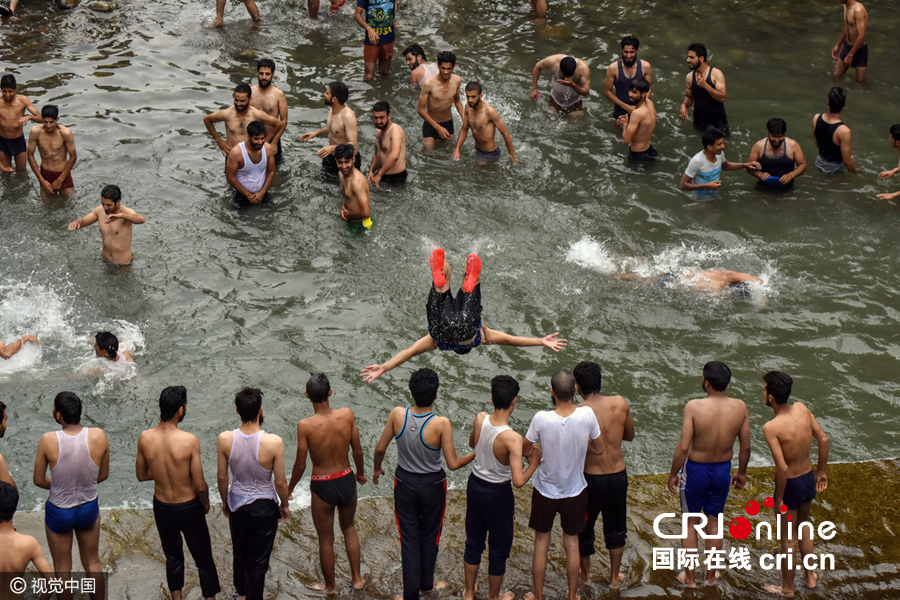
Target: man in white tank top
(419, 67)
(249, 169)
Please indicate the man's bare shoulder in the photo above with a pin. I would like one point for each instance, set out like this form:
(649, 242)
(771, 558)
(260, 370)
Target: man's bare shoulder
(66, 132)
(97, 434)
(272, 440)
(510, 436)
(36, 131)
(455, 81)
(613, 68)
(645, 64)
(225, 437)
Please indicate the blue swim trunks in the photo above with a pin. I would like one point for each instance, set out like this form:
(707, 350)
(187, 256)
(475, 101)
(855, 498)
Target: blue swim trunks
(799, 490)
(64, 520)
(704, 487)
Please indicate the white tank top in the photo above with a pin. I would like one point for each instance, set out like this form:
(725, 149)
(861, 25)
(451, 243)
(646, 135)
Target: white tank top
(431, 70)
(250, 481)
(487, 467)
(73, 481)
(253, 175)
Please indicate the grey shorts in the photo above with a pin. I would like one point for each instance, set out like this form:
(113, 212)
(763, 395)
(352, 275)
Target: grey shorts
(491, 156)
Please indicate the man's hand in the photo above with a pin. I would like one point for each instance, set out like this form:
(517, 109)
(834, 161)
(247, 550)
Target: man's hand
(361, 479)
(786, 178)
(206, 507)
(30, 338)
(683, 113)
(534, 95)
(376, 475)
(442, 131)
(848, 60)
(514, 160)
(888, 174)
(753, 164)
(712, 185)
(6, 169)
(673, 481)
(821, 482)
(455, 155)
(46, 186)
(285, 513)
(344, 212)
(57, 185)
(325, 151)
(551, 342)
(111, 218)
(835, 52)
(373, 37)
(738, 481)
(76, 224)
(25, 119)
(370, 374)
(888, 196)
(535, 458)
(307, 136)
(225, 148)
(623, 121)
(565, 82)
(225, 510)
(762, 175)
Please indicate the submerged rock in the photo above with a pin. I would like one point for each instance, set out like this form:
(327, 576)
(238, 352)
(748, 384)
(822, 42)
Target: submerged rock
(66, 4)
(101, 5)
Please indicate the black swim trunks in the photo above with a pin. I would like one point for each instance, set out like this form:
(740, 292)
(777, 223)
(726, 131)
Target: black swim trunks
(395, 178)
(491, 156)
(648, 154)
(14, 146)
(238, 200)
(329, 164)
(860, 59)
(336, 489)
(452, 321)
(279, 155)
(430, 132)
(799, 490)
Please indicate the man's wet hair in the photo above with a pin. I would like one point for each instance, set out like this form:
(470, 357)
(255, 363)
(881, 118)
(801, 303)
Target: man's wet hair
(318, 386)
(741, 290)
(9, 501)
(630, 40)
(423, 385)
(265, 63)
(256, 128)
(711, 136)
(446, 57)
(339, 91)
(8, 82)
(170, 400)
(415, 50)
(243, 88)
(717, 374)
(778, 385)
(248, 402)
(895, 132)
(837, 98)
(504, 390)
(473, 86)
(344, 151)
(776, 126)
(108, 341)
(568, 65)
(49, 111)
(68, 405)
(382, 107)
(111, 192)
(699, 49)
(563, 385)
(589, 377)
(2, 410)
(641, 85)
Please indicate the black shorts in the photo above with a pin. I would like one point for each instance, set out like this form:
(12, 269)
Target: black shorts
(395, 178)
(329, 164)
(572, 512)
(607, 497)
(860, 59)
(799, 490)
(13, 146)
(648, 154)
(452, 321)
(430, 132)
(238, 200)
(335, 491)
(278, 154)
(491, 156)
(721, 126)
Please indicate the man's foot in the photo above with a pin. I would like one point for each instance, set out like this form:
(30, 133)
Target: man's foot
(507, 596)
(215, 23)
(440, 585)
(529, 596)
(4, 10)
(473, 272)
(320, 587)
(358, 584)
(682, 577)
(614, 584)
(437, 268)
(712, 582)
(811, 578)
(776, 589)
(467, 596)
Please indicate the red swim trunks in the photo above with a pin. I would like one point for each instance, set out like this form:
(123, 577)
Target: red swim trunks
(52, 176)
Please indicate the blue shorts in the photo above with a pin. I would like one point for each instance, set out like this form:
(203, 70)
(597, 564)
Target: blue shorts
(64, 520)
(799, 490)
(704, 486)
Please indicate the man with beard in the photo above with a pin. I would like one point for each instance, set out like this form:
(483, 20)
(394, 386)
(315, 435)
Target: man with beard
(57, 148)
(439, 95)
(705, 89)
(4, 471)
(780, 157)
(12, 120)
(621, 74)
(389, 162)
(832, 136)
(570, 82)
(249, 170)
(237, 118)
(341, 128)
(269, 99)
(354, 189)
(851, 50)
(484, 121)
(115, 221)
(171, 459)
(637, 127)
(420, 69)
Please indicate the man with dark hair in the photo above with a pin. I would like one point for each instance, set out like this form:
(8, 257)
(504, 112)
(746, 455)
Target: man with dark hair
(570, 82)
(4, 470)
(789, 436)
(355, 190)
(57, 147)
(894, 139)
(78, 459)
(706, 90)
(851, 50)
(12, 121)
(780, 158)
(703, 456)
(377, 18)
(638, 126)
(420, 484)
(484, 121)
(622, 73)
(268, 98)
(250, 167)
(328, 436)
(220, 12)
(419, 68)
(438, 97)
(389, 160)
(115, 221)
(565, 434)
(832, 137)
(490, 505)
(341, 127)
(605, 474)
(253, 504)
(7, 351)
(18, 549)
(170, 458)
(236, 119)
(106, 345)
(454, 324)
(706, 166)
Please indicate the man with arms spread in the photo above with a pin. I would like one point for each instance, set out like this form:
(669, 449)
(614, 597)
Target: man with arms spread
(419, 68)
(894, 138)
(789, 436)
(12, 121)
(420, 484)
(18, 549)
(377, 18)
(484, 120)
(115, 221)
(490, 505)
(354, 189)
(851, 50)
(439, 95)
(7, 351)
(706, 166)
(251, 502)
(341, 128)
(57, 147)
(250, 167)
(389, 161)
(607, 480)
(171, 459)
(780, 158)
(271, 100)
(237, 118)
(637, 127)
(78, 459)
(570, 82)
(4, 471)
(832, 136)
(703, 459)
(328, 436)
(705, 88)
(621, 74)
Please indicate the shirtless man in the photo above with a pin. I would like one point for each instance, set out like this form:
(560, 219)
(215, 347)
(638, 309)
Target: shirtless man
(637, 127)
(621, 73)
(220, 12)
(328, 436)
(4, 470)
(354, 189)
(851, 50)
(484, 121)
(419, 68)
(115, 221)
(106, 345)
(341, 128)
(703, 456)
(237, 118)
(8, 350)
(57, 147)
(710, 282)
(439, 95)
(832, 136)
(894, 138)
(250, 167)
(570, 82)
(271, 100)
(12, 121)
(789, 436)
(705, 91)
(607, 480)
(389, 161)
(779, 157)
(18, 549)
(171, 459)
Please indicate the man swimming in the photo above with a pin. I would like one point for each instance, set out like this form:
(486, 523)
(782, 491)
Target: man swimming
(106, 345)
(455, 323)
(439, 95)
(12, 121)
(237, 118)
(638, 126)
(115, 221)
(710, 282)
(484, 121)
(389, 160)
(268, 98)
(57, 148)
(570, 82)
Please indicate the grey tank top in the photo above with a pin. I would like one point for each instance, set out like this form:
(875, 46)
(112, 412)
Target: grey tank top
(487, 467)
(413, 454)
(250, 481)
(563, 94)
(73, 481)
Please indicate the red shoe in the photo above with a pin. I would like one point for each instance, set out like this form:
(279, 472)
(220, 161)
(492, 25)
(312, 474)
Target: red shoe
(334, 9)
(473, 272)
(437, 267)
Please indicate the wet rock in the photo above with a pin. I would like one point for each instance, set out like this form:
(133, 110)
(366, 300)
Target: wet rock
(100, 5)
(66, 4)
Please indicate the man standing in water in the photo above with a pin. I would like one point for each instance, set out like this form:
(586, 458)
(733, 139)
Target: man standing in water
(377, 18)
(703, 460)
(354, 189)
(171, 459)
(237, 118)
(419, 68)
(439, 95)
(705, 89)
(328, 436)
(220, 12)
(484, 121)
(18, 549)
(638, 127)
(115, 221)
(7, 351)
(789, 436)
(341, 128)
(12, 121)
(570, 82)
(621, 74)
(706, 166)
(268, 98)
(250, 167)
(389, 160)
(894, 138)
(832, 136)
(57, 147)
(779, 157)
(851, 50)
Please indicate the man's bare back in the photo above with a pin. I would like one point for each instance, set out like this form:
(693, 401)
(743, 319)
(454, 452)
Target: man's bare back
(172, 458)
(716, 423)
(328, 437)
(614, 417)
(793, 428)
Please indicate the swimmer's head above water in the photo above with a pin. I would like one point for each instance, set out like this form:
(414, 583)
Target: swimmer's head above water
(106, 345)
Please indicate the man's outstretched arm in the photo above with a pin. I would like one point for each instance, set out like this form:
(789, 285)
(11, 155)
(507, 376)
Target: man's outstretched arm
(373, 372)
(552, 341)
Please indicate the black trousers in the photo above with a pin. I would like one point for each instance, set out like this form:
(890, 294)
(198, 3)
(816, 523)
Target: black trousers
(607, 495)
(253, 528)
(419, 504)
(490, 509)
(189, 520)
